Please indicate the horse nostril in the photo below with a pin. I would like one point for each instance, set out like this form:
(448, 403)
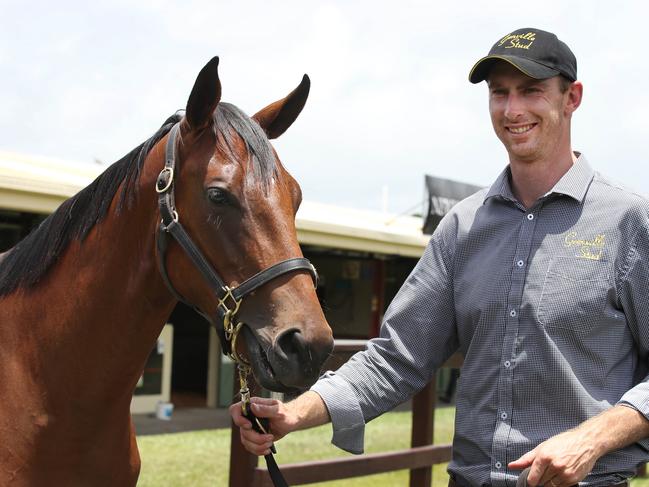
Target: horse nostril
(296, 358)
(291, 345)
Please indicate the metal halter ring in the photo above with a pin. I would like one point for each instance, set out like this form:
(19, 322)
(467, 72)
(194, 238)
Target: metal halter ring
(234, 355)
(174, 218)
(222, 302)
(169, 181)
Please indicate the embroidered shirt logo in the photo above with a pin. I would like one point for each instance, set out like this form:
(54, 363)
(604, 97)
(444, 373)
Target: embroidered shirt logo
(518, 41)
(592, 249)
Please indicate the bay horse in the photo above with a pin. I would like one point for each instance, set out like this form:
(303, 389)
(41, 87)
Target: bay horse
(84, 297)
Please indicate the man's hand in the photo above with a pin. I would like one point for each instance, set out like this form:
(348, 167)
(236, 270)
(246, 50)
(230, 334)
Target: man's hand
(280, 421)
(567, 458)
(561, 461)
(304, 412)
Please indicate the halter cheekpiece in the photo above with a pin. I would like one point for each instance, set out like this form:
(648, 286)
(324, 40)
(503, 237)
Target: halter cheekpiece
(229, 299)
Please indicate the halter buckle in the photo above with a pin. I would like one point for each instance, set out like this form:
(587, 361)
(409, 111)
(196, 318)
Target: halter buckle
(224, 306)
(163, 184)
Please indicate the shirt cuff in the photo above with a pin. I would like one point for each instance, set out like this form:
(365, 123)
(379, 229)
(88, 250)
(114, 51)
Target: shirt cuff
(344, 410)
(638, 399)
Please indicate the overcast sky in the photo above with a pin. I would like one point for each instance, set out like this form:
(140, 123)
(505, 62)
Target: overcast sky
(389, 102)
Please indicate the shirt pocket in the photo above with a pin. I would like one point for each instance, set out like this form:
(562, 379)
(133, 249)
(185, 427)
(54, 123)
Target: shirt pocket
(574, 293)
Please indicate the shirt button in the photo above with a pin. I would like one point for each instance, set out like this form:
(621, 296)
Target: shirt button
(530, 216)
(503, 416)
(520, 263)
(498, 465)
(507, 364)
(512, 313)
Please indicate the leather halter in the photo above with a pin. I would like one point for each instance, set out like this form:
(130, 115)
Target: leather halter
(229, 298)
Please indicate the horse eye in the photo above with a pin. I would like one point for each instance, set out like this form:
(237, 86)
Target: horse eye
(218, 196)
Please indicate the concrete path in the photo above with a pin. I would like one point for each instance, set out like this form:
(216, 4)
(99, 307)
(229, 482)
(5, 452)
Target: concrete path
(183, 419)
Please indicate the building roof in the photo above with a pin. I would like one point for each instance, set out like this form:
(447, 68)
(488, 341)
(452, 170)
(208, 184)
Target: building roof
(40, 185)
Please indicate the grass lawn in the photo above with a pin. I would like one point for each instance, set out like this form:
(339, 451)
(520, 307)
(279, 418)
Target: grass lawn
(201, 459)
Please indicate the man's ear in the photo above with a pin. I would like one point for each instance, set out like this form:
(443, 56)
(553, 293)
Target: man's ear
(575, 95)
(279, 116)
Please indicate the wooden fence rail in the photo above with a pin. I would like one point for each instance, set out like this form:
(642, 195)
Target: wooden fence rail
(357, 466)
(419, 459)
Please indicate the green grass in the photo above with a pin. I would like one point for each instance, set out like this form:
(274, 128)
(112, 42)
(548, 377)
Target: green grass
(201, 459)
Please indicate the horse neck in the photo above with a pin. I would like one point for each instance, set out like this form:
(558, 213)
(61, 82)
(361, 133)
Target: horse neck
(99, 310)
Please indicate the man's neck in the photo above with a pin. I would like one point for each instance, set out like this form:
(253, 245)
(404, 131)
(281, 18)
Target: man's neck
(531, 180)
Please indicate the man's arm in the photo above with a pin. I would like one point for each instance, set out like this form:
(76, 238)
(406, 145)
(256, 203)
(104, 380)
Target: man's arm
(306, 411)
(567, 458)
(417, 335)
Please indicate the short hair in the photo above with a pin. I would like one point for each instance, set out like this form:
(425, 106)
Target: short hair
(564, 83)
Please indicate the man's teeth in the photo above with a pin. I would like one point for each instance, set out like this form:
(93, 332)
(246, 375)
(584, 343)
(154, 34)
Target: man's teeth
(520, 130)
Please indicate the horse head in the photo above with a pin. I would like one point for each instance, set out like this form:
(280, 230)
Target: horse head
(238, 204)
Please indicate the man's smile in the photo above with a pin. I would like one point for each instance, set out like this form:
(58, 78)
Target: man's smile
(520, 129)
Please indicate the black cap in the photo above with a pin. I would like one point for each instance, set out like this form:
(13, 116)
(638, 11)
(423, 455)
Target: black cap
(536, 53)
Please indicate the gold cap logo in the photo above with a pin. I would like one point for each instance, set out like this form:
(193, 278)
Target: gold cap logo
(518, 41)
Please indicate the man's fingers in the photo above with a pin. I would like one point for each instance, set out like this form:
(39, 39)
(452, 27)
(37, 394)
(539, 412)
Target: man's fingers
(261, 407)
(256, 438)
(255, 443)
(532, 465)
(539, 473)
(238, 418)
(242, 422)
(265, 410)
(554, 482)
(523, 462)
(263, 400)
(549, 478)
(522, 478)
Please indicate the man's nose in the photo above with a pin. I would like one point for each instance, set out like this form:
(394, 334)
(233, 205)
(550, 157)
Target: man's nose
(513, 107)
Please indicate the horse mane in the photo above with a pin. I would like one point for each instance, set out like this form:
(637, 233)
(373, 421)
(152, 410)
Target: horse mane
(235, 121)
(25, 264)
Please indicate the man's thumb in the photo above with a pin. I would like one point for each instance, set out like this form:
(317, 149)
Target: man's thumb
(265, 409)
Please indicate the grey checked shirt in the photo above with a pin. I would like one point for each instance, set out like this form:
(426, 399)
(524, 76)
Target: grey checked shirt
(548, 306)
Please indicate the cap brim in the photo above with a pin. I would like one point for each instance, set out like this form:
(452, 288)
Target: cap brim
(480, 70)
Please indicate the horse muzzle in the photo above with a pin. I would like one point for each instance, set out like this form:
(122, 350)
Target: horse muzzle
(291, 363)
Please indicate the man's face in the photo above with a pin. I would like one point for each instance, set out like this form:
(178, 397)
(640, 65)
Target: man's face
(531, 117)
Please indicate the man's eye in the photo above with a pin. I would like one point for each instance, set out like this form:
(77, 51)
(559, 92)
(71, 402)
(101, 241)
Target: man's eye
(218, 196)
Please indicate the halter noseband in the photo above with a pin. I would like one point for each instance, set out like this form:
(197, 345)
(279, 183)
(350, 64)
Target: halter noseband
(229, 298)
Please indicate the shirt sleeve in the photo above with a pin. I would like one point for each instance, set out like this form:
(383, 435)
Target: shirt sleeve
(418, 334)
(633, 286)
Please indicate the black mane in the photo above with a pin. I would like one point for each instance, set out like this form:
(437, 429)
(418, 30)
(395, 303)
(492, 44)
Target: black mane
(25, 264)
(229, 120)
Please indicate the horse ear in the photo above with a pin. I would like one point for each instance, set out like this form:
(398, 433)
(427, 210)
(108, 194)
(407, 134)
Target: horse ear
(205, 96)
(279, 116)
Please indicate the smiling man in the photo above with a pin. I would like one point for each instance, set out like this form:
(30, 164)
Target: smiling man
(539, 281)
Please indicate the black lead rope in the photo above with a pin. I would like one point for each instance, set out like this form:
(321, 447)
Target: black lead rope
(522, 478)
(260, 425)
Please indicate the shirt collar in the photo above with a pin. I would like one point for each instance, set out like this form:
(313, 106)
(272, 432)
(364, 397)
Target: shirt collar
(573, 183)
(501, 187)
